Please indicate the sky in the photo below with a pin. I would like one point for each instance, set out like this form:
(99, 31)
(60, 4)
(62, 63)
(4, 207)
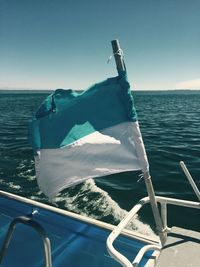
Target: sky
(49, 44)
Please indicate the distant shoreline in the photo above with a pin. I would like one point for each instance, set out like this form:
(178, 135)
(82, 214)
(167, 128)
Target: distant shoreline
(25, 91)
(47, 91)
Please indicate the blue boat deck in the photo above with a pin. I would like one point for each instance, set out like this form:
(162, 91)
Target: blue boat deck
(73, 242)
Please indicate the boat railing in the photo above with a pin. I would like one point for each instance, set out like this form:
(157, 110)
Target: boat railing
(37, 227)
(164, 201)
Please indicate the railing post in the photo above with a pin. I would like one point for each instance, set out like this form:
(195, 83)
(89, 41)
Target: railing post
(164, 214)
(190, 179)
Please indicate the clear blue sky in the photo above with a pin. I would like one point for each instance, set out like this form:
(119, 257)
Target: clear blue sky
(48, 44)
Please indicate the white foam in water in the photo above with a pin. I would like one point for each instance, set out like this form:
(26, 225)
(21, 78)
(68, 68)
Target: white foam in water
(94, 202)
(12, 185)
(24, 172)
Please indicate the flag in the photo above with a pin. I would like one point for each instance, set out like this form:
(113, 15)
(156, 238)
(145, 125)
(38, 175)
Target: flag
(84, 135)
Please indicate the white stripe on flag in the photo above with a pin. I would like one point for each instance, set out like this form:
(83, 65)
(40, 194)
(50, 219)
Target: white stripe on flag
(115, 149)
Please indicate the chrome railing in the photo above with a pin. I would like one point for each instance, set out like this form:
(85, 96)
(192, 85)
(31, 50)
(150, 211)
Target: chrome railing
(164, 201)
(36, 226)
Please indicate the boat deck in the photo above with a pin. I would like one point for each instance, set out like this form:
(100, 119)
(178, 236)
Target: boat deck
(73, 242)
(182, 249)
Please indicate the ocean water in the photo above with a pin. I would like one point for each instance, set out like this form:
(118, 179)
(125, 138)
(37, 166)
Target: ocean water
(170, 125)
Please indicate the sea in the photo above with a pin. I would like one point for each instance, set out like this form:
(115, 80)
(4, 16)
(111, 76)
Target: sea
(170, 126)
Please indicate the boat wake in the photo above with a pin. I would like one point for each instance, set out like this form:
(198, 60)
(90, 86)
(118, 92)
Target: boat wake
(86, 199)
(92, 201)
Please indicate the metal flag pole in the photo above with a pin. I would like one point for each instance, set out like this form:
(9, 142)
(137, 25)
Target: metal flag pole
(117, 52)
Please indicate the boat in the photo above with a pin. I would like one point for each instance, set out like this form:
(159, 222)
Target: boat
(34, 234)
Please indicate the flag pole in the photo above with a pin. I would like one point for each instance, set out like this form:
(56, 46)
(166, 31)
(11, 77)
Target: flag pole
(117, 52)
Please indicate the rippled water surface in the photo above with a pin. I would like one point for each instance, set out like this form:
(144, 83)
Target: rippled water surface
(170, 124)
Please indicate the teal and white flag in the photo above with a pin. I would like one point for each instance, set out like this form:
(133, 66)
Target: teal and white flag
(77, 136)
